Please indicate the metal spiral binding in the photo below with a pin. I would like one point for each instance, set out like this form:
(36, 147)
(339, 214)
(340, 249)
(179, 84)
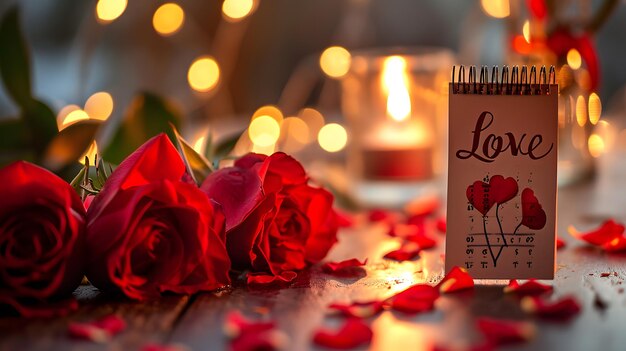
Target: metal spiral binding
(517, 80)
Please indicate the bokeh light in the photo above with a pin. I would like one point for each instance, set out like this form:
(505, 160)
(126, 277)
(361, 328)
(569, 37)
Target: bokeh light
(198, 145)
(99, 106)
(203, 74)
(294, 134)
(168, 19)
(73, 117)
(335, 61)
(581, 110)
(596, 145)
(332, 137)
(236, 10)
(62, 115)
(496, 8)
(269, 110)
(574, 60)
(264, 131)
(526, 31)
(109, 10)
(595, 108)
(313, 119)
(91, 153)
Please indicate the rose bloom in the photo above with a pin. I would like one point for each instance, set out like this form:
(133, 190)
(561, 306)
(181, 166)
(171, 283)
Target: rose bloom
(276, 223)
(149, 232)
(42, 224)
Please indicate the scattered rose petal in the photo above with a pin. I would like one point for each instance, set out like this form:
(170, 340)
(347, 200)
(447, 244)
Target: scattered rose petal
(422, 206)
(605, 274)
(563, 309)
(408, 251)
(406, 230)
(417, 298)
(615, 245)
(382, 215)
(247, 335)
(353, 333)
(351, 267)
(531, 287)
(101, 330)
(602, 235)
(161, 347)
(457, 279)
(503, 332)
(441, 225)
(560, 243)
(264, 279)
(423, 241)
(358, 309)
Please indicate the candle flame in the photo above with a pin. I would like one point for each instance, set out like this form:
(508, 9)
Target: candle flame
(395, 83)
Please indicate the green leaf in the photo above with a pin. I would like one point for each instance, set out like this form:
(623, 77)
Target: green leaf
(197, 166)
(14, 60)
(70, 144)
(42, 123)
(79, 179)
(148, 116)
(224, 147)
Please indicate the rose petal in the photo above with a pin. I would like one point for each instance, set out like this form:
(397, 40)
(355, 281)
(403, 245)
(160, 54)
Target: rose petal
(337, 267)
(457, 279)
(353, 333)
(417, 298)
(503, 332)
(247, 335)
(161, 347)
(602, 235)
(563, 309)
(381, 215)
(264, 279)
(423, 241)
(101, 330)
(616, 245)
(406, 230)
(441, 225)
(408, 251)
(423, 206)
(560, 243)
(345, 219)
(236, 324)
(358, 309)
(266, 341)
(531, 287)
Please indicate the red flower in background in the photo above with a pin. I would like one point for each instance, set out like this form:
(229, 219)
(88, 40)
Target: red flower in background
(42, 223)
(149, 232)
(276, 222)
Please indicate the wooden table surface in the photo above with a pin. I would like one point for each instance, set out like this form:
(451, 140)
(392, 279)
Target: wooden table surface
(301, 308)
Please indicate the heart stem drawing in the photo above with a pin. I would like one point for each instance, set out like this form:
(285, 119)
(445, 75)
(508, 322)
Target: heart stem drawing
(494, 258)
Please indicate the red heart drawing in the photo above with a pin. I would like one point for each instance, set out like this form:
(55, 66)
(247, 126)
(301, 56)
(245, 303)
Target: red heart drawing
(503, 189)
(533, 215)
(480, 196)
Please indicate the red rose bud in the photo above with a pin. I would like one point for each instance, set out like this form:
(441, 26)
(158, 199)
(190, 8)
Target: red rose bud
(345, 268)
(276, 221)
(406, 252)
(358, 309)
(247, 335)
(560, 243)
(529, 288)
(149, 232)
(263, 279)
(563, 309)
(457, 279)
(101, 330)
(504, 332)
(418, 298)
(604, 234)
(353, 333)
(42, 239)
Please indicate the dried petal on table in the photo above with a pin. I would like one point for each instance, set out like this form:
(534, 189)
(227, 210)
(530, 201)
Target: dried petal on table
(353, 333)
(529, 288)
(100, 330)
(562, 309)
(607, 232)
(345, 268)
(502, 332)
(560, 243)
(408, 251)
(265, 279)
(423, 241)
(616, 245)
(358, 309)
(417, 298)
(248, 335)
(457, 279)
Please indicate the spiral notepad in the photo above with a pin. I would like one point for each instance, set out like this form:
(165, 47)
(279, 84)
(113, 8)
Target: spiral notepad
(502, 164)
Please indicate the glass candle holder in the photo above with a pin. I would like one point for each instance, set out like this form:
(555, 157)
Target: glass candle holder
(395, 102)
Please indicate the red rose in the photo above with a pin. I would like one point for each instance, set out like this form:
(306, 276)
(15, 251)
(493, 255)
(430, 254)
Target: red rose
(150, 232)
(275, 221)
(42, 224)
